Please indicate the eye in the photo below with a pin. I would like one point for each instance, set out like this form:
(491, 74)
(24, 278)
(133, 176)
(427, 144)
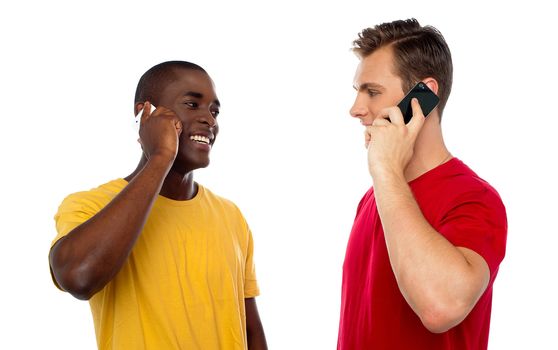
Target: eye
(372, 93)
(215, 113)
(191, 104)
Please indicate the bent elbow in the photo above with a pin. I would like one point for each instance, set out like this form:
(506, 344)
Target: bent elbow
(76, 280)
(441, 318)
(79, 287)
(80, 291)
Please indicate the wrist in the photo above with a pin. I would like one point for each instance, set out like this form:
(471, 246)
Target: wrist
(383, 172)
(160, 161)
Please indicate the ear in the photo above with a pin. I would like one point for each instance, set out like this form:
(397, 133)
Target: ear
(138, 107)
(432, 84)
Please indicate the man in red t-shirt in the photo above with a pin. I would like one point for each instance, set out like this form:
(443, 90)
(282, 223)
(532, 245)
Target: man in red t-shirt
(430, 234)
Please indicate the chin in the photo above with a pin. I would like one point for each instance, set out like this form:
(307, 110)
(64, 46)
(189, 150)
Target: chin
(203, 164)
(189, 163)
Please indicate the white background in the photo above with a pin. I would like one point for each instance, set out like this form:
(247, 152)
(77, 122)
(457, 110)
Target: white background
(288, 153)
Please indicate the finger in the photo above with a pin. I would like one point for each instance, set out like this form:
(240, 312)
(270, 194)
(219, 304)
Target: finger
(416, 122)
(381, 122)
(178, 126)
(166, 113)
(383, 115)
(393, 115)
(146, 109)
(396, 116)
(415, 105)
(367, 136)
(163, 111)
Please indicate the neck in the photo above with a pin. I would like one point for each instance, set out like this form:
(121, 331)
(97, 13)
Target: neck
(430, 150)
(178, 184)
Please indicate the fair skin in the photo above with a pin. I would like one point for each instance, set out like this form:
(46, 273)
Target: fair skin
(439, 281)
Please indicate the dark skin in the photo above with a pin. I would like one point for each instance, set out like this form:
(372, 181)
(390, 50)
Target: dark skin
(91, 255)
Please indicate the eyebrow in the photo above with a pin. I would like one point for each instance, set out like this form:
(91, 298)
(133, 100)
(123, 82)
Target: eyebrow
(199, 95)
(366, 86)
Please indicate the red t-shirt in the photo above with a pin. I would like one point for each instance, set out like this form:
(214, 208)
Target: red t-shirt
(469, 213)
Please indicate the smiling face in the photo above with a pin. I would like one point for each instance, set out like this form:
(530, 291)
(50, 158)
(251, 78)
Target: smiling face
(191, 95)
(377, 85)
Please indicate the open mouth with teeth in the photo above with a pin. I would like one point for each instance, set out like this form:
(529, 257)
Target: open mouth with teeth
(200, 139)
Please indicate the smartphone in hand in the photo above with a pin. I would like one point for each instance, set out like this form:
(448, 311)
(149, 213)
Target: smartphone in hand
(137, 118)
(426, 98)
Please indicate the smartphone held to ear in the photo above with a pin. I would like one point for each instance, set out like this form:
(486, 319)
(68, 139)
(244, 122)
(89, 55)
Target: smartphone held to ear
(426, 98)
(137, 118)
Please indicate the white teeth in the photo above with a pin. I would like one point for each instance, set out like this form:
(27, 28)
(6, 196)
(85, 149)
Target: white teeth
(200, 138)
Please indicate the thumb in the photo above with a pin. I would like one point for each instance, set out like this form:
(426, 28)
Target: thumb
(367, 137)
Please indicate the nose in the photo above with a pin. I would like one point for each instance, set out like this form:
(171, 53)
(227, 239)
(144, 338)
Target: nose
(359, 109)
(208, 118)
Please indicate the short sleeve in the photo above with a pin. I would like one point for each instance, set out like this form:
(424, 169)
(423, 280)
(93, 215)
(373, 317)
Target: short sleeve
(72, 212)
(251, 288)
(477, 221)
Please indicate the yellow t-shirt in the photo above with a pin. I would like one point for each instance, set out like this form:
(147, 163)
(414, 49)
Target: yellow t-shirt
(184, 284)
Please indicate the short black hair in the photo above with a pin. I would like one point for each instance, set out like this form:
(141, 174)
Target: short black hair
(158, 77)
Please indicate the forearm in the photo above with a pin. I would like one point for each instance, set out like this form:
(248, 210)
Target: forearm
(434, 276)
(254, 329)
(256, 339)
(85, 260)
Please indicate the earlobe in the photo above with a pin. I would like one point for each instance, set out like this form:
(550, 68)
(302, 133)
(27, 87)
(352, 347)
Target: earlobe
(432, 84)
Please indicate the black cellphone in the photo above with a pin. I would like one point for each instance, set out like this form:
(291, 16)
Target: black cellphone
(426, 97)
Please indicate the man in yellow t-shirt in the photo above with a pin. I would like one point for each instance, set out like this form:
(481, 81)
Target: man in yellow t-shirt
(164, 262)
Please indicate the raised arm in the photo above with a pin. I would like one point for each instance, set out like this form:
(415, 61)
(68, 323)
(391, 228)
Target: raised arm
(86, 259)
(439, 281)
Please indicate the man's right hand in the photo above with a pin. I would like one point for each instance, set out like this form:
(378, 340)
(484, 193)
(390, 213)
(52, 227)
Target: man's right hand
(159, 132)
(90, 255)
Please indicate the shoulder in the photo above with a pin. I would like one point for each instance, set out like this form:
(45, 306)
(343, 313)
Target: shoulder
(455, 187)
(78, 207)
(213, 197)
(226, 211)
(466, 185)
(472, 215)
(454, 180)
(217, 201)
(96, 197)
